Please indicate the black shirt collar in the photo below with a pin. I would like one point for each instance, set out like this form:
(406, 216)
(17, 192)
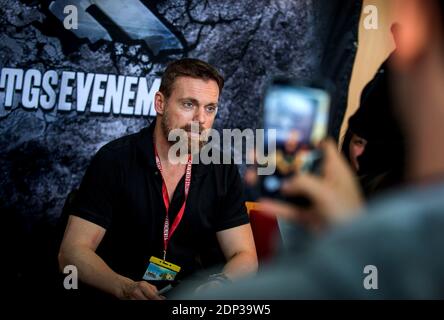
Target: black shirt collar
(144, 145)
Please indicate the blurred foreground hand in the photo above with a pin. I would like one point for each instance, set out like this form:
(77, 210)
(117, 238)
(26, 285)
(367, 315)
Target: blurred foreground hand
(335, 195)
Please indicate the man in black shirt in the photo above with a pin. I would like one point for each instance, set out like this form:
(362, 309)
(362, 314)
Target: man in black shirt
(139, 216)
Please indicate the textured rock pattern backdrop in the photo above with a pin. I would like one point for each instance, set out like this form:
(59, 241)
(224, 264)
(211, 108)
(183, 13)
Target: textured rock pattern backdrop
(44, 154)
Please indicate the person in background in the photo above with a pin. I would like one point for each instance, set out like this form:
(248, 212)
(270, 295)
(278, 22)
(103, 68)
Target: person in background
(374, 142)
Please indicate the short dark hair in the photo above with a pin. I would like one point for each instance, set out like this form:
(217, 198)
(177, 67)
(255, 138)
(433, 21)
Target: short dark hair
(188, 67)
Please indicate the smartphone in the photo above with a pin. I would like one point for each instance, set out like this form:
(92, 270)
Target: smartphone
(296, 117)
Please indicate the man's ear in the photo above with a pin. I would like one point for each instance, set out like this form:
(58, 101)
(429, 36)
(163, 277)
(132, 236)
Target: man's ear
(414, 34)
(159, 103)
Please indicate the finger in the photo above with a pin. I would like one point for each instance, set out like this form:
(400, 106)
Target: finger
(149, 291)
(280, 209)
(339, 172)
(334, 160)
(305, 184)
(329, 146)
(289, 212)
(151, 295)
(137, 294)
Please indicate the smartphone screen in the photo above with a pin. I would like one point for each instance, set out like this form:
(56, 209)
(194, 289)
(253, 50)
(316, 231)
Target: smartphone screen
(299, 117)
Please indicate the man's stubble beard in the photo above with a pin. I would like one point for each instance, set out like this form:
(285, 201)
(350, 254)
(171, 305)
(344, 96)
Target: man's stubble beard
(167, 128)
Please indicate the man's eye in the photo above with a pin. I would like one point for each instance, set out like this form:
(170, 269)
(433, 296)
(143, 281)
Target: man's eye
(362, 142)
(211, 109)
(188, 105)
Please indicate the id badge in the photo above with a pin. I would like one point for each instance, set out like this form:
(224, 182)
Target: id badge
(159, 269)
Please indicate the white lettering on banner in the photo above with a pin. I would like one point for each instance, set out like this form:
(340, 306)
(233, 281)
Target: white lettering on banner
(144, 99)
(65, 90)
(68, 90)
(30, 96)
(83, 89)
(128, 96)
(98, 93)
(11, 80)
(114, 93)
(48, 100)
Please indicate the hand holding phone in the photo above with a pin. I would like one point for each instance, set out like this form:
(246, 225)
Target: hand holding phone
(298, 116)
(335, 196)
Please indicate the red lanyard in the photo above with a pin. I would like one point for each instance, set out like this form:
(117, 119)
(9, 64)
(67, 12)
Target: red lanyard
(167, 231)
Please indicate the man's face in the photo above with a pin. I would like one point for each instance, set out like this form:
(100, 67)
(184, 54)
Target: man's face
(191, 100)
(356, 149)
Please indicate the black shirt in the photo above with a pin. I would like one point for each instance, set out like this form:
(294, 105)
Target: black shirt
(122, 192)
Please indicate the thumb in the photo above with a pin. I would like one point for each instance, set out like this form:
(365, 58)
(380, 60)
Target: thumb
(305, 185)
(334, 163)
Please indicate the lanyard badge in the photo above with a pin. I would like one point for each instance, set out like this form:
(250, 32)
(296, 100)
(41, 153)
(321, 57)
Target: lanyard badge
(160, 269)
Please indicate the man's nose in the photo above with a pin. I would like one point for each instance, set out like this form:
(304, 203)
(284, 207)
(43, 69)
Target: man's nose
(199, 115)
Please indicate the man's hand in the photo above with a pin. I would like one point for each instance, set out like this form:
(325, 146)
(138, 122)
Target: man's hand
(140, 290)
(335, 196)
